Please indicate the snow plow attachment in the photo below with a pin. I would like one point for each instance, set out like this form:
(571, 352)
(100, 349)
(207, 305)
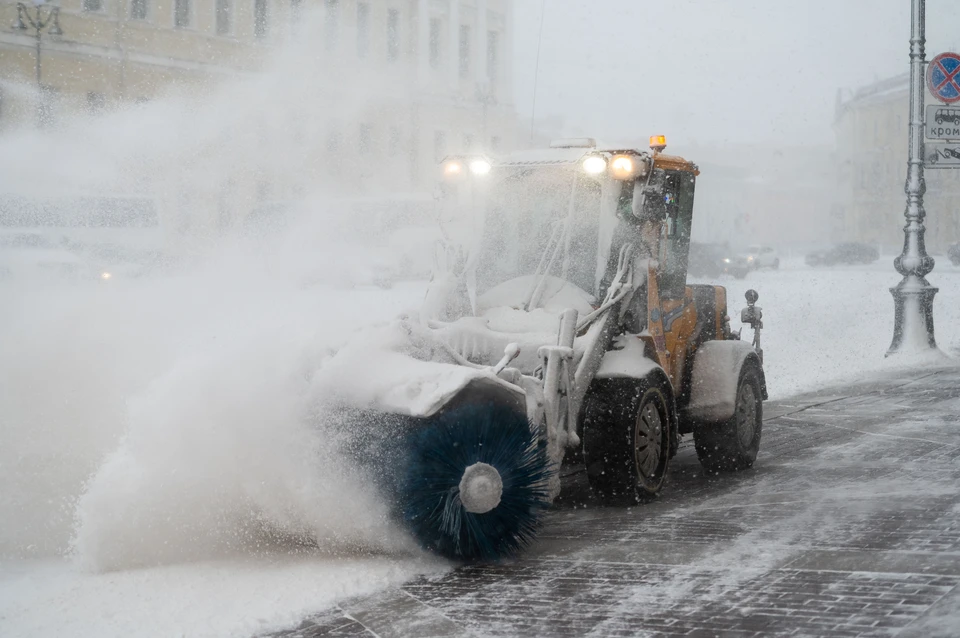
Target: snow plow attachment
(469, 482)
(473, 483)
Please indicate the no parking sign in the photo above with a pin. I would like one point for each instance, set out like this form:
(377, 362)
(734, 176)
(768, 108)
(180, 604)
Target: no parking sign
(943, 77)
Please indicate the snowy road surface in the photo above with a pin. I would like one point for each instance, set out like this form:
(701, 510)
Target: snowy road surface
(847, 526)
(157, 472)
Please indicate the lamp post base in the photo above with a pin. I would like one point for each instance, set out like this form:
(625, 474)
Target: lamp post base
(913, 316)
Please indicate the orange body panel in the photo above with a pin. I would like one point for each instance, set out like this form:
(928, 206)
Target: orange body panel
(674, 163)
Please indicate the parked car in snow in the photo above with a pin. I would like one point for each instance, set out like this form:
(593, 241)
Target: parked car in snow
(953, 254)
(737, 265)
(846, 253)
(762, 257)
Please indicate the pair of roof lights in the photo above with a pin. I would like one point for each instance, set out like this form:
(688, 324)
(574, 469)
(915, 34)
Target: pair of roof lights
(622, 165)
(455, 167)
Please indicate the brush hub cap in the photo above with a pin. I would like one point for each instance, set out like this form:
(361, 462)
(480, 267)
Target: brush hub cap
(480, 488)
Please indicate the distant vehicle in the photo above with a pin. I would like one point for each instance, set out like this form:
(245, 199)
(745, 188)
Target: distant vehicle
(737, 265)
(763, 257)
(847, 253)
(948, 115)
(953, 253)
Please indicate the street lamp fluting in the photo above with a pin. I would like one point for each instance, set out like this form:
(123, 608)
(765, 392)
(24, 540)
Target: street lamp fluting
(913, 296)
(42, 18)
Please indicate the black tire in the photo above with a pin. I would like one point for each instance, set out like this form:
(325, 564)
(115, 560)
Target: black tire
(626, 440)
(733, 444)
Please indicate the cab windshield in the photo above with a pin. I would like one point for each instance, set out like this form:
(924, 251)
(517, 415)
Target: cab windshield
(544, 219)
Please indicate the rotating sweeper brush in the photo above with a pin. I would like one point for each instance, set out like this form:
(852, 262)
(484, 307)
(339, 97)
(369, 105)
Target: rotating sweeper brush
(469, 483)
(473, 482)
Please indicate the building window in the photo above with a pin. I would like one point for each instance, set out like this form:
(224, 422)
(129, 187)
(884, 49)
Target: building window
(138, 9)
(363, 29)
(93, 5)
(331, 23)
(435, 42)
(464, 50)
(439, 145)
(181, 13)
(393, 34)
(260, 18)
(224, 17)
(393, 145)
(95, 102)
(365, 141)
(493, 55)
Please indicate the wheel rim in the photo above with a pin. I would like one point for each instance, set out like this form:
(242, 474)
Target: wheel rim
(648, 440)
(746, 414)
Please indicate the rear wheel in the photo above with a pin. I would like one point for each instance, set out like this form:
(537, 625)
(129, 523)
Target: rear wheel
(626, 435)
(733, 444)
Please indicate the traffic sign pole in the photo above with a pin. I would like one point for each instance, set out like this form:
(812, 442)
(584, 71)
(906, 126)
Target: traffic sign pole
(913, 296)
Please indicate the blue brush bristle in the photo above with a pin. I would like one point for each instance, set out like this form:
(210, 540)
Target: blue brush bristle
(437, 453)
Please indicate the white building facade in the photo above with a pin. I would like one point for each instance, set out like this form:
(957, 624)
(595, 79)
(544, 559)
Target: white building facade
(356, 98)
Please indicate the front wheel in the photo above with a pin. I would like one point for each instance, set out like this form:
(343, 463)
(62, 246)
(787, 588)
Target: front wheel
(733, 444)
(626, 440)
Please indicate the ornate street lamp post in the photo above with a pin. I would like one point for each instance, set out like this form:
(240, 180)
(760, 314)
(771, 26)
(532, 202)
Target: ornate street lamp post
(913, 296)
(42, 18)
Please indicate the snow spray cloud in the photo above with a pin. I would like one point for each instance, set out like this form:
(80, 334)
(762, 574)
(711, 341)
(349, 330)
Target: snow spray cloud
(168, 418)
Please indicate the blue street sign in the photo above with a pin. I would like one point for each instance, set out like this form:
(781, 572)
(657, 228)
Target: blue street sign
(943, 77)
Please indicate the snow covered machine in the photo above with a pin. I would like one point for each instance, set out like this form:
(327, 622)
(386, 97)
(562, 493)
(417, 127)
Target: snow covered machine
(559, 326)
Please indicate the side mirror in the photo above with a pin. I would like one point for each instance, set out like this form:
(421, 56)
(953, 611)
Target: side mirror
(752, 314)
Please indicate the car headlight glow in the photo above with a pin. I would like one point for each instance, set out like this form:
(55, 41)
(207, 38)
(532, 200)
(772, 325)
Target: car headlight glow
(105, 275)
(480, 167)
(726, 260)
(453, 168)
(594, 165)
(623, 167)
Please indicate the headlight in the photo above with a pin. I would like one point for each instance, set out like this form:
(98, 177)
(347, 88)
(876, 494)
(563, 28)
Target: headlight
(480, 167)
(105, 275)
(594, 165)
(624, 167)
(453, 168)
(750, 258)
(726, 260)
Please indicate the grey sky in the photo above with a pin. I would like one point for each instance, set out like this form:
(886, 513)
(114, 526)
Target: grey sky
(713, 70)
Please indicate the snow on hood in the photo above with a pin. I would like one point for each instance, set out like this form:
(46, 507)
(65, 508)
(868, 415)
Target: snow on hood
(396, 368)
(403, 367)
(559, 294)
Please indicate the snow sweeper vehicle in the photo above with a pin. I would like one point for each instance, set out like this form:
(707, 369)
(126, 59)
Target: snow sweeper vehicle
(558, 325)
